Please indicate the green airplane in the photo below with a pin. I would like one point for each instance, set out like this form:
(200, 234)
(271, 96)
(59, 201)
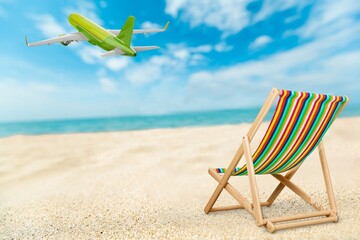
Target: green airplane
(115, 42)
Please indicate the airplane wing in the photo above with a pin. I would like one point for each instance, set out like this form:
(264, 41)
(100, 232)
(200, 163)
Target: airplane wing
(114, 52)
(142, 31)
(144, 48)
(117, 51)
(63, 39)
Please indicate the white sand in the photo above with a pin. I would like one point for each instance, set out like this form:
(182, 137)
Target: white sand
(154, 184)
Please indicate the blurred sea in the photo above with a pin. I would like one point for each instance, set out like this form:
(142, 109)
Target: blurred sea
(107, 124)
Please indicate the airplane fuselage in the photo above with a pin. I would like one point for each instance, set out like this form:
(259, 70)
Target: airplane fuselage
(98, 36)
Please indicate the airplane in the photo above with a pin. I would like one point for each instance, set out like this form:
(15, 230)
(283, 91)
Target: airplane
(115, 42)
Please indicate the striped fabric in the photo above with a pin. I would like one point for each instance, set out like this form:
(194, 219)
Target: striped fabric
(299, 122)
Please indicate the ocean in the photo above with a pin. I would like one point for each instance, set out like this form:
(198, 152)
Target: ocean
(107, 124)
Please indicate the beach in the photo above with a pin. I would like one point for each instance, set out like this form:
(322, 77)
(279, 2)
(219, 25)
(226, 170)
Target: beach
(154, 184)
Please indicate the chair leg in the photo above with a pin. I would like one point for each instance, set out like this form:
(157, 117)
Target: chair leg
(327, 179)
(252, 181)
(224, 179)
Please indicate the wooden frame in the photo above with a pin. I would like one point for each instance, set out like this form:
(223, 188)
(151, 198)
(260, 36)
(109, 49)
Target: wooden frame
(254, 208)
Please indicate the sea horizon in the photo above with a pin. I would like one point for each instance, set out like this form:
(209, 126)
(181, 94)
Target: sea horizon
(140, 122)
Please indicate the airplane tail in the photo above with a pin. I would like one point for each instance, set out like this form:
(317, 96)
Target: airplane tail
(126, 32)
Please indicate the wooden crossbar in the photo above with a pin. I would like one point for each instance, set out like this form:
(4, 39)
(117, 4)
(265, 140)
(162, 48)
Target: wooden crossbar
(296, 189)
(233, 207)
(281, 186)
(329, 216)
(300, 216)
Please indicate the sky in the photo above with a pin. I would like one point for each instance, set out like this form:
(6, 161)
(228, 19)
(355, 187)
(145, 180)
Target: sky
(214, 55)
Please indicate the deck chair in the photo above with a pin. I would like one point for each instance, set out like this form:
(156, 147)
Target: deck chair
(297, 127)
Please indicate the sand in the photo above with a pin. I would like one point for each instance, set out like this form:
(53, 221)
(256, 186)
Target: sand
(154, 184)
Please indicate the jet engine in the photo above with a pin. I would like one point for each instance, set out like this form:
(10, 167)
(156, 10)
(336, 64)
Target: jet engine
(65, 43)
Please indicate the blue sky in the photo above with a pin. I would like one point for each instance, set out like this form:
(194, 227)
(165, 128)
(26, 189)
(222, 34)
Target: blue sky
(215, 55)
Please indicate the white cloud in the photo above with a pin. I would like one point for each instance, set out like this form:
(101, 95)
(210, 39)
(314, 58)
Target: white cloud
(86, 8)
(227, 16)
(329, 17)
(48, 25)
(182, 54)
(201, 48)
(223, 47)
(321, 66)
(270, 7)
(173, 7)
(108, 85)
(328, 64)
(150, 25)
(117, 63)
(150, 70)
(92, 55)
(260, 42)
(172, 63)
